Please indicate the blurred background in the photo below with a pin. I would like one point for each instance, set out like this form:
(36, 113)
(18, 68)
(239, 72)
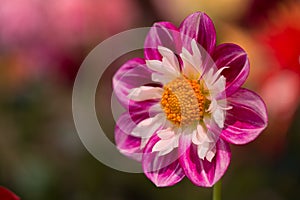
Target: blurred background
(42, 45)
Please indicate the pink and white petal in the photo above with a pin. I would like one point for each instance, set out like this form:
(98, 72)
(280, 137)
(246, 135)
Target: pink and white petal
(214, 75)
(164, 67)
(200, 136)
(200, 27)
(219, 117)
(246, 119)
(213, 130)
(213, 106)
(211, 154)
(143, 110)
(163, 147)
(201, 171)
(161, 34)
(166, 133)
(197, 135)
(144, 93)
(195, 57)
(155, 65)
(162, 78)
(190, 70)
(125, 142)
(169, 59)
(147, 127)
(236, 59)
(161, 170)
(189, 67)
(168, 141)
(140, 110)
(155, 109)
(203, 149)
(144, 142)
(217, 88)
(132, 74)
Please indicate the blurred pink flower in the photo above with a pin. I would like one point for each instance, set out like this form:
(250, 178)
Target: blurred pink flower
(83, 21)
(20, 22)
(284, 103)
(55, 34)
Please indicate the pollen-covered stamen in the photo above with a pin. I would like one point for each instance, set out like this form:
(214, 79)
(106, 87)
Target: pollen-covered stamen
(183, 101)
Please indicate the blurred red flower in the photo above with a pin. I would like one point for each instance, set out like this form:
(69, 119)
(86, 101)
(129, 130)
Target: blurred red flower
(280, 86)
(281, 38)
(5, 194)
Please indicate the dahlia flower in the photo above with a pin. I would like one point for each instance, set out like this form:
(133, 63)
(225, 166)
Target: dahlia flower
(185, 104)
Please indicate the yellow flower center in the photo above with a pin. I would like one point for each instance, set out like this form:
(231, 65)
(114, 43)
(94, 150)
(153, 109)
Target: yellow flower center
(183, 101)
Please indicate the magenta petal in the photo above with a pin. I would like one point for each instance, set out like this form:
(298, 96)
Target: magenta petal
(234, 57)
(161, 170)
(161, 34)
(247, 118)
(127, 144)
(202, 172)
(134, 73)
(139, 110)
(200, 27)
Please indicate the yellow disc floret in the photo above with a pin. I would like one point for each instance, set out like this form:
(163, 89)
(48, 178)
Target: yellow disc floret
(183, 101)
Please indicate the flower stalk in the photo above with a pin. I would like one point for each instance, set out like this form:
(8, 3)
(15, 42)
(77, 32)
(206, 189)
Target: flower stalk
(217, 190)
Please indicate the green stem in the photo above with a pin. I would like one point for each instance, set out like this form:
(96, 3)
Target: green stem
(217, 190)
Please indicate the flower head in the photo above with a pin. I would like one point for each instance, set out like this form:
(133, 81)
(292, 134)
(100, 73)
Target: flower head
(185, 103)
